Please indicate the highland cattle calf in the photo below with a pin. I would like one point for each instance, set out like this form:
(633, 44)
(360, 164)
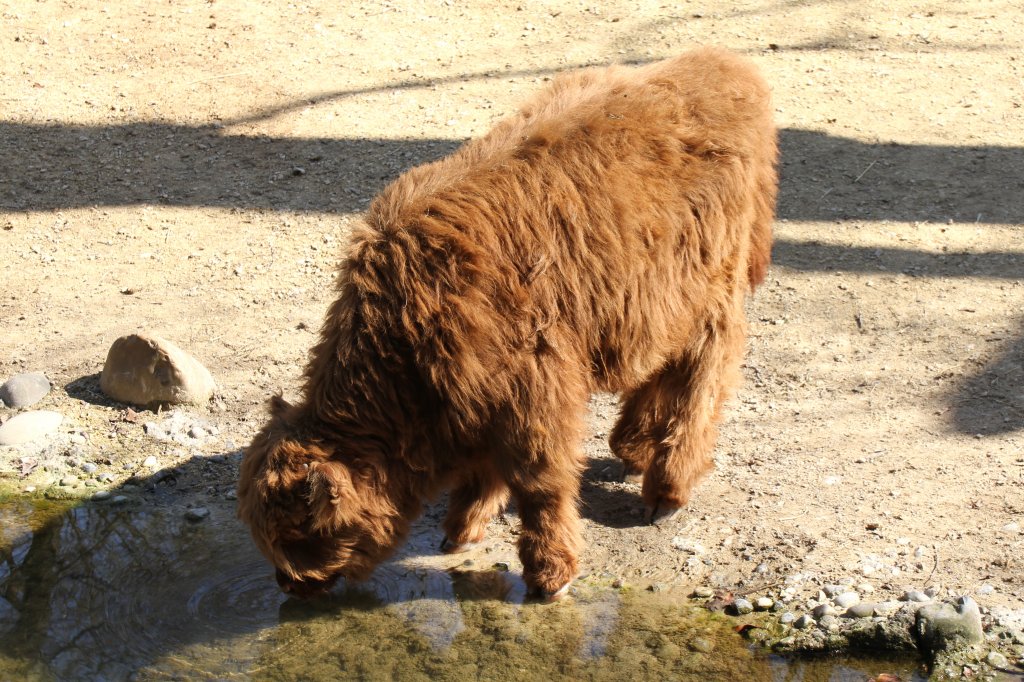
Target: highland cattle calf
(603, 238)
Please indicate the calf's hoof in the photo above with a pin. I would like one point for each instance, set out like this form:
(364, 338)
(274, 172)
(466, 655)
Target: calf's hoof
(631, 475)
(449, 547)
(662, 512)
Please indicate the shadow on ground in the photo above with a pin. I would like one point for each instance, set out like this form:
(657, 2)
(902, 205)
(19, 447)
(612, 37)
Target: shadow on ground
(823, 178)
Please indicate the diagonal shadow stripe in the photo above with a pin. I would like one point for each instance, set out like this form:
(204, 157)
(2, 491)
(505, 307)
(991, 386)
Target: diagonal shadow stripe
(823, 177)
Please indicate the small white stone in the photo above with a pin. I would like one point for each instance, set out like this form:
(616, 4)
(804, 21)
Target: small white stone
(688, 545)
(150, 462)
(846, 599)
(996, 660)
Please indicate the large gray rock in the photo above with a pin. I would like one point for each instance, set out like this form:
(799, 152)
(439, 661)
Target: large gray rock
(147, 370)
(24, 390)
(29, 426)
(944, 627)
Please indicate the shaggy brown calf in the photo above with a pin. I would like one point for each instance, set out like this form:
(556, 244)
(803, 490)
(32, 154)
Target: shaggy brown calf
(603, 238)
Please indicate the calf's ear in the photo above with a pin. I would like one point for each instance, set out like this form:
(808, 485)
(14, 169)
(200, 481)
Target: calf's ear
(332, 497)
(279, 406)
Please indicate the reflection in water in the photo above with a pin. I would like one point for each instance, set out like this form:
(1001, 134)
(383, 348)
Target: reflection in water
(99, 592)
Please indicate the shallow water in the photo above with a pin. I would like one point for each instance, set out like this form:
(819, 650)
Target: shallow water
(101, 592)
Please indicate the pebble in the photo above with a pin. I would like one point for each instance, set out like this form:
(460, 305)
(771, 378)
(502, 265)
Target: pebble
(915, 595)
(69, 481)
(860, 610)
(197, 514)
(832, 590)
(996, 659)
(29, 426)
(741, 607)
(688, 545)
(787, 618)
(89, 467)
(501, 566)
(101, 495)
(822, 610)
(846, 599)
(702, 645)
(24, 390)
(986, 590)
(119, 499)
(703, 592)
(151, 462)
(105, 477)
(147, 370)
(886, 608)
(829, 622)
(764, 603)
(803, 622)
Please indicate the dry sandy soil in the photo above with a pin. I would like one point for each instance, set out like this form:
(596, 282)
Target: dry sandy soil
(193, 169)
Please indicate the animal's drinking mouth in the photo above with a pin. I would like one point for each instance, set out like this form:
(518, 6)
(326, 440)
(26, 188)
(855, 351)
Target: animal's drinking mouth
(357, 567)
(304, 589)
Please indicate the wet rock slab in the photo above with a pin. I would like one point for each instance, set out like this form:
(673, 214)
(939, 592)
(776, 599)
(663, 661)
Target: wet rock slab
(944, 626)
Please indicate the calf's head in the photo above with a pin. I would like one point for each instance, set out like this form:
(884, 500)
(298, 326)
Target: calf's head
(315, 511)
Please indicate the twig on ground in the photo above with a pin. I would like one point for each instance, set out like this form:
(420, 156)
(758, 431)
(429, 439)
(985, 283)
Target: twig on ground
(220, 76)
(935, 566)
(857, 179)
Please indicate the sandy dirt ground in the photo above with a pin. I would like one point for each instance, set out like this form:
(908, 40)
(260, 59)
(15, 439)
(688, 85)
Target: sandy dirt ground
(193, 170)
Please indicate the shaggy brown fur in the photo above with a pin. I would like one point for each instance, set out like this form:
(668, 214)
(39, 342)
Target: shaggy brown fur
(603, 238)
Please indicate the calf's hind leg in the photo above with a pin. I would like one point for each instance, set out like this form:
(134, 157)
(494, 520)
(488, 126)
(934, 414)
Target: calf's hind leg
(668, 426)
(472, 503)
